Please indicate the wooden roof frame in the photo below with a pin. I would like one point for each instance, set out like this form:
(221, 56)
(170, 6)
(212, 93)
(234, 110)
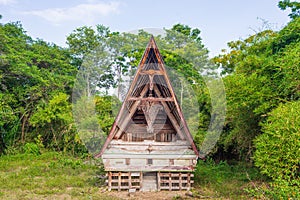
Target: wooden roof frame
(137, 100)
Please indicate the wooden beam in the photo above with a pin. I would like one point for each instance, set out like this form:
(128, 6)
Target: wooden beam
(141, 180)
(189, 181)
(143, 127)
(151, 72)
(119, 118)
(162, 68)
(134, 81)
(156, 51)
(109, 181)
(180, 181)
(158, 181)
(122, 124)
(170, 182)
(122, 118)
(129, 180)
(119, 182)
(153, 99)
(171, 117)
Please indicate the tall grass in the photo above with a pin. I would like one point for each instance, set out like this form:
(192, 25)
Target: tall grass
(223, 180)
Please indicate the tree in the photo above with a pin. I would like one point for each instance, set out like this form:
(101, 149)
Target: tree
(31, 71)
(294, 6)
(262, 72)
(53, 121)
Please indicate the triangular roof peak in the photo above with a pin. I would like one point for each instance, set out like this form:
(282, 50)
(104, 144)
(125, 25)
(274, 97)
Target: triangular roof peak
(152, 43)
(149, 97)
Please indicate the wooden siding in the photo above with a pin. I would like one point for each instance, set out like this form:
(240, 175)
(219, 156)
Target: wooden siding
(132, 156)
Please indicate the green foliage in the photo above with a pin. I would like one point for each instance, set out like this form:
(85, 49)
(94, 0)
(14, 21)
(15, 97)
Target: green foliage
(277, 149)
(264, 73)
(89, 127)
(31, 148)
(293, 5)
(33, 73)
(262, 87)
(106, 109)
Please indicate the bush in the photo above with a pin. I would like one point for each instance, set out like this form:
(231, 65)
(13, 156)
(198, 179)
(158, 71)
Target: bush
(31, 148)
(277, 150)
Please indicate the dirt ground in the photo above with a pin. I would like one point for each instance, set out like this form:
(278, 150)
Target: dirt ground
(162, 195)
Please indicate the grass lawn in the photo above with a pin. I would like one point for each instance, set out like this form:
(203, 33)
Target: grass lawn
(53, 175)
(48, 176)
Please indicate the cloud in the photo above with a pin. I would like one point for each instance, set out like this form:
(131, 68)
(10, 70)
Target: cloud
(81, 12)
(7, 2)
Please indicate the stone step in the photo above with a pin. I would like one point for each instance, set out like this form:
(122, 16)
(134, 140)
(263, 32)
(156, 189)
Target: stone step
(149, 177)
(149, 181)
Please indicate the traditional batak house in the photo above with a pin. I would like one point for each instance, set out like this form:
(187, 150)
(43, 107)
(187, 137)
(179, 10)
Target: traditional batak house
(149, 147)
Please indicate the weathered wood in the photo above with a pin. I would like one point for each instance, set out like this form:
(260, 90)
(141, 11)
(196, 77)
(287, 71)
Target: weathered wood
(189, 180)
(171, 117)
(109, 180)
(129, 180)
(119, 182)
(147, 142)
(170, 181)
(123, 124)
(124, 180)
(150, 99)
(142, 127)
(114, 127)
(150, 142)
(177, 181)
(151, 72)
(174, 181)
(180, 181)
(141, 179)
(146, 155)
(150, 110)
(158, 181)
(140, 116)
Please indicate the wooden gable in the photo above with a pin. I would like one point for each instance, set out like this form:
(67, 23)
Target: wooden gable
(150, 115)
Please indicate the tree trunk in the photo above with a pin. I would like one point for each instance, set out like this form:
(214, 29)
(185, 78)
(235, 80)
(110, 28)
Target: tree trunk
(2, 144)
(23, 129)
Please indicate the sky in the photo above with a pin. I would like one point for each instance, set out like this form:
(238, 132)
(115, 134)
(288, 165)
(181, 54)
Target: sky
(220, 21)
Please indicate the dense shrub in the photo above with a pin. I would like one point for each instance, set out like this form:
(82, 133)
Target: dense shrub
(278, 150)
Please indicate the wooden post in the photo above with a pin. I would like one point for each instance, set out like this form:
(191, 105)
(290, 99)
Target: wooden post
(158, 181)
(119, 182)
(141, 180)
(180, 181)
(109, 181)
(189, 180)
(129, 180)
(170, 181)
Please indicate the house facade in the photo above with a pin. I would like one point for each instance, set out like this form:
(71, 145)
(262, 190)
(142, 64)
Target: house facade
(149, 147)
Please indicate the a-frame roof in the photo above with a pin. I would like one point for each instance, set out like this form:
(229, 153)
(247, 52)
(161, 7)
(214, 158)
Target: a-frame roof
(150, 84)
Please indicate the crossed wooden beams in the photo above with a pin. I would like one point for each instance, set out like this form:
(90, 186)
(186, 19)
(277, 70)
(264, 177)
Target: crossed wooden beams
(126, 114)
(138, 100)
